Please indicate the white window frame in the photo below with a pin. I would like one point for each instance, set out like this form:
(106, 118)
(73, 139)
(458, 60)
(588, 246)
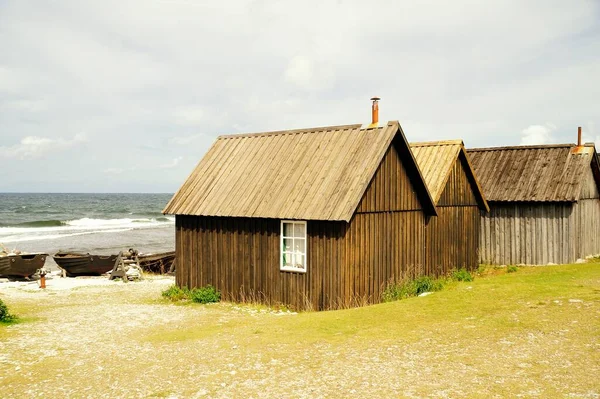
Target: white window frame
(282, 252)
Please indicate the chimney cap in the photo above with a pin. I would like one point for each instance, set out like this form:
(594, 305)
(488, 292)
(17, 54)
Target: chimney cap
(376, 98)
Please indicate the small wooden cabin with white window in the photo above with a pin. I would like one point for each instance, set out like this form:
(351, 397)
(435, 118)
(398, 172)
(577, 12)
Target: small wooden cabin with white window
(452, 238)
(315, 218)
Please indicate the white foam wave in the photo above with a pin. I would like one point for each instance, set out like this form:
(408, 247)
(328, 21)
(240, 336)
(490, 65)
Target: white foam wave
(12, 239)
(80, 227)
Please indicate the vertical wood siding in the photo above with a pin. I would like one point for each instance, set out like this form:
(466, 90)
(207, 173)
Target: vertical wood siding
(348, 264)
(542, 233)
(391, 188)
(586, 221)
(527, 233)
(586, 218)
(453, 236)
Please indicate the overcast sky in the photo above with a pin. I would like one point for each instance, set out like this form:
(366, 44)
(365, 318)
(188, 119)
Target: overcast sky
(126, 96)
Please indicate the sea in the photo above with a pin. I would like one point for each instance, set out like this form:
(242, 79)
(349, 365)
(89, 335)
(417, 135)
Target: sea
(90, 223)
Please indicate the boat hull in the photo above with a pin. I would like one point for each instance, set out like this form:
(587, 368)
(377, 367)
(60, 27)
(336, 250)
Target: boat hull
(75, 264)
(21, 265)
(157, 263)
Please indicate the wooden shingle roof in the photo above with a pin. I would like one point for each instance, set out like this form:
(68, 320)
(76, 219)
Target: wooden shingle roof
(307, 174)
(545, 173)
(436, 160)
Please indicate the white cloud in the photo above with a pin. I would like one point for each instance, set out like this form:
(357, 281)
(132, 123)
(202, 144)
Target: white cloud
(299, 71)
(172, 164)
(113, 171)
(32, 147)
(187, 140)
(538, 134)
(192, 115)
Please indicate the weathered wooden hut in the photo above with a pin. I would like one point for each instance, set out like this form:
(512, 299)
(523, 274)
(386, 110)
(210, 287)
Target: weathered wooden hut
(315, 218)
(544, 203)
(452, 238)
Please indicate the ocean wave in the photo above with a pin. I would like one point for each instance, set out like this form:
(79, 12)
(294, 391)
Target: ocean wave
(49, 229)
(36, 223)
(25, 238)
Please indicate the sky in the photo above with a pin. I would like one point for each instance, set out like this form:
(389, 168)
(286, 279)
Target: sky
(127, 96)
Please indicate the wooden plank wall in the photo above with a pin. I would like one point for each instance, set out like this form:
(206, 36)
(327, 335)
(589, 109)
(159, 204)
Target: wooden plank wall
(586, 218)
(527, 233)
(349, 264)
(542, 233)
(453, 236)
(391, 188)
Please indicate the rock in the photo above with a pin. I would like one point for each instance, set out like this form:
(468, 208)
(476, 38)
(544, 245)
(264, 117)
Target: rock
(551, 264)
(580, 261)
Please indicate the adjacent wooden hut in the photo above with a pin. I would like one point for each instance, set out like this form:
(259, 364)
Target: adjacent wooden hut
(544, 203)
(452, 238)
(315, 218)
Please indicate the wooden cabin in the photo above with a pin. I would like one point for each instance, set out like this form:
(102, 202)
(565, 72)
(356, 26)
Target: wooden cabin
(315, 218)
(544, 203)
(452, 238)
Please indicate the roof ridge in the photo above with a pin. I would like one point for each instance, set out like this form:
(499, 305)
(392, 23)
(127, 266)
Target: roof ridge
(437, 142)
(522, 147)
(297, 131)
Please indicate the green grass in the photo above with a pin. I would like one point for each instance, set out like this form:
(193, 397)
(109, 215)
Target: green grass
(531, 333)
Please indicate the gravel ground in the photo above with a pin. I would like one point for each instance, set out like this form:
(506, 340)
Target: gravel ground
(91, 338)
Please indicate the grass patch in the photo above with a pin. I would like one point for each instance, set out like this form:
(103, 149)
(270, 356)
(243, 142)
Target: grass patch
(511, 269)
(208, 294)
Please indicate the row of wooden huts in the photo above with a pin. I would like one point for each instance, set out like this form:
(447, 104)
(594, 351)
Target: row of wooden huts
(327, 217)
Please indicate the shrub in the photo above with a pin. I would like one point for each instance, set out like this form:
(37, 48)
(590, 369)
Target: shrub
(206, 294)
(5, 316)
(461, 275)
(511, 269)
(406, 289)
(176, 293)
(427, 284)
(199, 295)
(397, 291)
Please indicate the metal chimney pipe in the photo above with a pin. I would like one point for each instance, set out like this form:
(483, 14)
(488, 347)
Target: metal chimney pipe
(375, 110)
(579, 136)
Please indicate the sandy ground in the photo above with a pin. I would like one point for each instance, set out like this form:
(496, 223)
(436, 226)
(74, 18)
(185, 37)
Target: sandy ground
(94, 338)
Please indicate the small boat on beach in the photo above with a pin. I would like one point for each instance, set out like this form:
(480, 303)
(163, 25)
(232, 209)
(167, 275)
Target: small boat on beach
(79, 264)
(21, 265)
(157, 263)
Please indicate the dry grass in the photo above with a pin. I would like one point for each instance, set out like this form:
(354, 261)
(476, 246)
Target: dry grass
(533, 333)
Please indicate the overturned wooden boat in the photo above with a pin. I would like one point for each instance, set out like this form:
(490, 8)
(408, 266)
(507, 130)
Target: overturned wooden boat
(157, 263)
(22, 265)
(78, 264)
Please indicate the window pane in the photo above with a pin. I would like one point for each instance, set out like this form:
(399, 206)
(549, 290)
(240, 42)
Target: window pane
(288, 230)
(287, 259)
(300, 246)
(299, 261)
(288, 244)
(299, 230)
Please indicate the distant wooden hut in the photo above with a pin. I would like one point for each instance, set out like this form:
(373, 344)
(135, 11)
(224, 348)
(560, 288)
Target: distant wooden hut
(315, 218)
(452, 238)
(544, 202)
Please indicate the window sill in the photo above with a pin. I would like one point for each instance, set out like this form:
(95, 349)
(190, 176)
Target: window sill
(292, 269)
